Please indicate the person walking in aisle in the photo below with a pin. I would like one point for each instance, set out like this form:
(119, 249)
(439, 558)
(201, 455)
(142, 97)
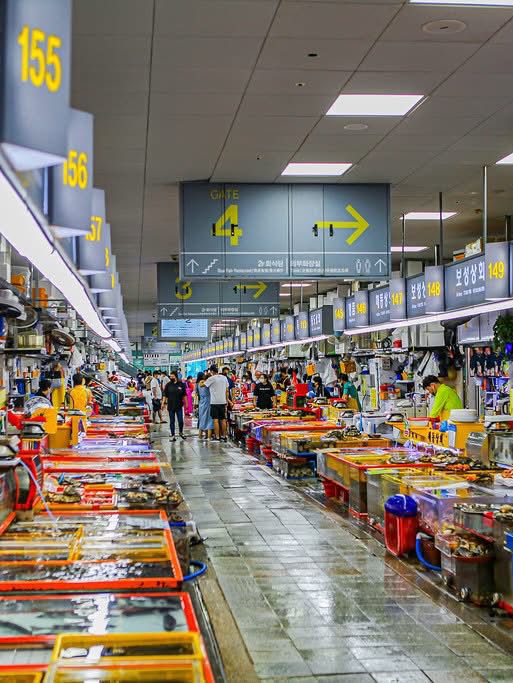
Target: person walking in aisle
(174, 398)
(189, 389)
(264, 396)
(219, 400)
(205, 422)
(156, 397)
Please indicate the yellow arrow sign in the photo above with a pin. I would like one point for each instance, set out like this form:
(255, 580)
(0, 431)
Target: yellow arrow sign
(186, 288)
(260, 287)
(359, 223)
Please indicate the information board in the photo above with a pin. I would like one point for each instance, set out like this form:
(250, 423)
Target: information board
(465, 283)
(183, 329)
(35, 71)
(321, 321)
(196, 299)
(278, 231)
(379, 305)
(415, 296)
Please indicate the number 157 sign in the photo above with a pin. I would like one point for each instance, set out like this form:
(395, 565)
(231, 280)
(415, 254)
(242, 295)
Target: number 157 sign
(35, 45)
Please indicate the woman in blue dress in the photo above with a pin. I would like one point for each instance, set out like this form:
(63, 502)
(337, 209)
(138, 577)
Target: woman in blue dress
(205, 422)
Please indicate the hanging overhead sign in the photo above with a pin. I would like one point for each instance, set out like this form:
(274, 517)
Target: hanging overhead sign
(301, 327)
(379, 305)
(194, 299)
(498, 270)
(350, 313)
(266, 334)
(397, 299)
(288, 332)
(35, 68)
(339, 314)
(70, 185)
(275, 331)
(415, 296)
(321, 321)
(435, 289)
(465, 283)
(93, 249)
(273, 232)
(361, 299)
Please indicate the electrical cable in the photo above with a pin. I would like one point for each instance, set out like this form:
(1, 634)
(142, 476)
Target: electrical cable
(420, 556)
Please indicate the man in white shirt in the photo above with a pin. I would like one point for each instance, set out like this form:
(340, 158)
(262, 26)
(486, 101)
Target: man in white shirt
(156, 397)
(219, 398)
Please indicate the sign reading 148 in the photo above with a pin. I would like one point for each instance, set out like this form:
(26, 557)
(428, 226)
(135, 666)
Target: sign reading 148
(40, 60)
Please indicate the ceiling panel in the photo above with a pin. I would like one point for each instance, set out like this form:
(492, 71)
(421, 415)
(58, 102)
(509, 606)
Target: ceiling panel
(411, 56)
(110, 101)
(115, 17)
(468, 84)
(481, 24)
(461, 106)
(292, 53)
(491, 59)
(285, 81)
(271, 132)
(419, 82)
(213, 80)
(222, 18)
(286, 105)
(328, 20)
(337, 125)
(201, 52)
(336, 147)
(165, 105)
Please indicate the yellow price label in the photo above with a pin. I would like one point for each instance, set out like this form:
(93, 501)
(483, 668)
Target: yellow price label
(434, 288)
(303, 324)
(497, 270)
(361, 308)
(95, 234)
(40, 60)
(74, 170)
(397, 298)
(339, 313)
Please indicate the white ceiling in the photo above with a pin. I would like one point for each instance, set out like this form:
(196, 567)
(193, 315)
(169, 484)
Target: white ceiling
(198, 89)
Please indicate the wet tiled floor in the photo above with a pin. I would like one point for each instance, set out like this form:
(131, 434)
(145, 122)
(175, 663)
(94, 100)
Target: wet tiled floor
(311, 600)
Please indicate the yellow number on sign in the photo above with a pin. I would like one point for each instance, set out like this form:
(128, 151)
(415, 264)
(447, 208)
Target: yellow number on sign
(303, 324)
(496, 270)
(107, 257)
(37, 66)
(112, 281)
(96, 229)
(397, 298)
(230, 216)
(74, 169)
(361, 308)
(434, 289)
(339, 314)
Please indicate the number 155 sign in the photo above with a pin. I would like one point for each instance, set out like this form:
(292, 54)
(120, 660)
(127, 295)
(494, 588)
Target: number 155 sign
(35, 47)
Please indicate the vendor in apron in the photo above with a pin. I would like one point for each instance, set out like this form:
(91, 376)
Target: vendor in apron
(349, 393)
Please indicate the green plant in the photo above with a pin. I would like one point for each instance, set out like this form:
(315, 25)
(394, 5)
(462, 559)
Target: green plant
(503, 334)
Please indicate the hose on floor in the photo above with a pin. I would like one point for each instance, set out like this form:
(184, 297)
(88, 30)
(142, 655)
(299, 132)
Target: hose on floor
(199, 572)
(420, 556)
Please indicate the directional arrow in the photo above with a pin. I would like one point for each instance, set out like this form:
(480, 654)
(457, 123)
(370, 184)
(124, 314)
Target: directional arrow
(359, 223)
(163, 311)
(192, 264)
(259, 286)
(381, 264)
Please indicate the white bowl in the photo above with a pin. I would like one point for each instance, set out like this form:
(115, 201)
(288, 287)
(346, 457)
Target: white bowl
(463, 415)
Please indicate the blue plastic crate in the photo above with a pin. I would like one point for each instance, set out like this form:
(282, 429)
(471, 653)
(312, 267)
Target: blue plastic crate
(509, 540)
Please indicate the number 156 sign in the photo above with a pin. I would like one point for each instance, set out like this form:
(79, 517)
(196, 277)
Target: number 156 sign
(35, 45)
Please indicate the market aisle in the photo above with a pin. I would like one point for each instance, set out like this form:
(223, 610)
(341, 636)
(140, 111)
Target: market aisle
(309, 598)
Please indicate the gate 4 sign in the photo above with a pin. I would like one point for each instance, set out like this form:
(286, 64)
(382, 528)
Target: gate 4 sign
(194, 299)
(273, 232)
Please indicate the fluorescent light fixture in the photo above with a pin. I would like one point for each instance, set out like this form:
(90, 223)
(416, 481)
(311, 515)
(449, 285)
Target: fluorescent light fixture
(439, 317)
(465, 3)
(312, 169)
(285, 294)
(429, 215)
(296, 284)
(20, 227)
(505, 160)
(373, 105)
(410, 249)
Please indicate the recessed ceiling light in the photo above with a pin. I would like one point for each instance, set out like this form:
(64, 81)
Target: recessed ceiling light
(356, 126)
(282, 294)
(312, 169)
(300, 84)
(373, 105)
(410, 249)
(505, 160)
(444, 27)
(428, 215)
(296, 284)
(465, 3)
(313, 54)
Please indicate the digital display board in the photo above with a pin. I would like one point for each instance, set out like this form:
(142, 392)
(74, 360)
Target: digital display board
(184, 329)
